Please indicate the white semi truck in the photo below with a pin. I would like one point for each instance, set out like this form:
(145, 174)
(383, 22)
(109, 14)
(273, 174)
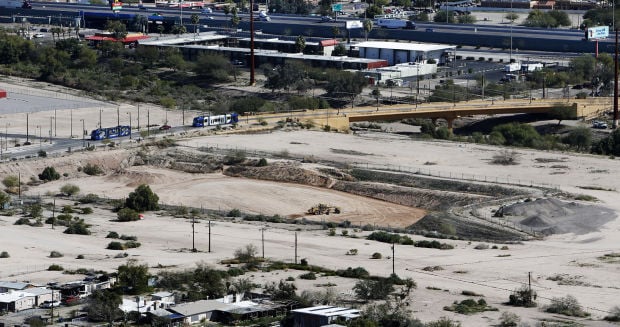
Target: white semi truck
(395, 23)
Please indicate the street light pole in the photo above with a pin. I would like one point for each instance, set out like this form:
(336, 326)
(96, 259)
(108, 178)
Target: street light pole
(83, 129)
(130, 125)
(55, 124)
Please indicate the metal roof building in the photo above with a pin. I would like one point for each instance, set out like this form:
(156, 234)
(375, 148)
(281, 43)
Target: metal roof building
(400, 52)
(322, 315)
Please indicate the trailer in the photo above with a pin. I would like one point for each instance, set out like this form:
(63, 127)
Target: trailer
(512, 67)
(217, 120)
(25, 4)
(110, 133)
(395, 23)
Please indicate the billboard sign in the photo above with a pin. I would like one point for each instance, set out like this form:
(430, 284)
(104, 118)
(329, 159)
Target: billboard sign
(350, 24)
(597, 32)
(337, 7)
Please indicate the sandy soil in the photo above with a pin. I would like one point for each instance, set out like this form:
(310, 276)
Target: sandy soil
(491, 272)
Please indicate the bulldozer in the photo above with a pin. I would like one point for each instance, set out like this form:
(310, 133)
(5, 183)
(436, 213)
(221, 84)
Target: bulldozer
(323, 209)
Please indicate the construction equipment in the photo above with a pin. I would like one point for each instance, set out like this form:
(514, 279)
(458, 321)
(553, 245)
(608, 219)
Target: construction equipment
(323, 209)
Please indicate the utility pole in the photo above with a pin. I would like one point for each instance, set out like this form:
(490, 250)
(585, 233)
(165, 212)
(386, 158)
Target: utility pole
(295, 247)
(148, 124)
(614, 124)
(393, 262)
(53, 219)
(71, 123)
(529, 283)
(55, 125)
(27, 128)
(19, 184)
(209, 236)
(263, 240)
(252, 72)
(118, 115)
(193, 235)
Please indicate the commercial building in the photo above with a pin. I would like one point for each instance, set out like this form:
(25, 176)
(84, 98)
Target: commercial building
(400, 52)
(322, 315)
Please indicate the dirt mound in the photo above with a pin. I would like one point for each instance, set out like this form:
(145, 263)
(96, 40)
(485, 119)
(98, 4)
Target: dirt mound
(281, 172)
(136, 178)
(553, 216)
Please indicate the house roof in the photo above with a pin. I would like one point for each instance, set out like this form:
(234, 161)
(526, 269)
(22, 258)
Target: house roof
(14, 285)
(162, 294)
(39, 291)
(329, 311)
(13, 296)
(404, 46)
(198, 307)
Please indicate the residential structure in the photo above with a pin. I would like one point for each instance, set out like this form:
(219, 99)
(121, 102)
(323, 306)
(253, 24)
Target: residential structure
(322, 315)
(14, 301)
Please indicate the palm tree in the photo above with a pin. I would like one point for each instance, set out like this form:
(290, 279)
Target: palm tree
(368, 27)
(195, 20)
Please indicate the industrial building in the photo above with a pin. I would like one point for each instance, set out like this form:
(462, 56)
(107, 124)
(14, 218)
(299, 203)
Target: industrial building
(399, 52)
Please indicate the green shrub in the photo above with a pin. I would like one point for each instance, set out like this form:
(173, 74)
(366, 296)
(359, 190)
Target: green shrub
(262, 162)
(234, 213)
(127, 214)
(55, 267)
(376, 255)
(131, 245)
(92, 170)
(4, 255)
(49, 174)
(55, 254)
(112, 235)
(509, 319)
(522, 297)
(87, 210)
(80, 256)
(290, 279)
(77, 226)
(128, 237)
(142, 199)
(89, 198)
(358, 272)
(115, 246)
(22, 221)
(470, 306)
(567, 306)
(614, 314)
(65, 217)
(308, 275)
(70, 189)
(67, 209)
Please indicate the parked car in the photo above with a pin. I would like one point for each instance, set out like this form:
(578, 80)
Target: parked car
(599, 124)
(38, 35)
(326, 18)
(49, 304)
(164, 127)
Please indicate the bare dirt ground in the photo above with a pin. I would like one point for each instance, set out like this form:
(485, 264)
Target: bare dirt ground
(493, 273)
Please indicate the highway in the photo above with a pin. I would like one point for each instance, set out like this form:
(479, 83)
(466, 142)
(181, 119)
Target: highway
(220, 19)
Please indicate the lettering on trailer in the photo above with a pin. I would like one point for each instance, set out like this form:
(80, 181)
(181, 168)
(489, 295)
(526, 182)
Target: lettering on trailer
(351, 24)
(597, 32)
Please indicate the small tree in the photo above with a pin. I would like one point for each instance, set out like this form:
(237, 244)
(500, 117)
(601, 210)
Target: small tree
(522, 297)
(49, 174)
(300, 44)
(562, 112)
(127, 214)
(246, 254)
(133, 277)
(509, 319)
(103, 305)
(373, 289)
(142, 199)
(70, 189)
(11, 181)
(567, 305)
(511, 17)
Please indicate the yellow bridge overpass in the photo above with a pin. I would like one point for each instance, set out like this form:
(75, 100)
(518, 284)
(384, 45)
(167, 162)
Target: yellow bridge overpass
(340, 119)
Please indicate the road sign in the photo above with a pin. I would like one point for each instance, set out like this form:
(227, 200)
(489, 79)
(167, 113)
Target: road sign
(597, 32)
(337, 7)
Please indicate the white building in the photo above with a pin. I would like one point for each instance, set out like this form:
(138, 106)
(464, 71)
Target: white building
(400, 52)
(14, 301)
